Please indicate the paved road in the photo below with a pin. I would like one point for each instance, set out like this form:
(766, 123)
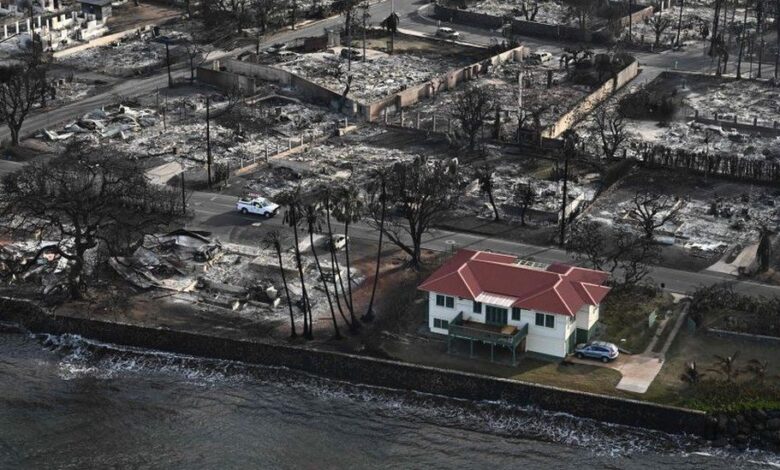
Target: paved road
(216, 213)
(144, 86)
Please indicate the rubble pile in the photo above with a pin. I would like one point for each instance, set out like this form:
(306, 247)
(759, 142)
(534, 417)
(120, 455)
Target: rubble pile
(379, 76)
(695, 16)
(550, 12)
(508, 176)
(129, 56)
(324, 164)
(708, 226)
(238, 136)
(539, 102)
(239, 278)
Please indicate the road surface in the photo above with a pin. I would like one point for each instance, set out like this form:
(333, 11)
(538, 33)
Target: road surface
(217, 214)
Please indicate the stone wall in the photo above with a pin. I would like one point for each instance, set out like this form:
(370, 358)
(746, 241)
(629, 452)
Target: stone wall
(226, 81)
(448, 81)
(369, 371)
(591, 101)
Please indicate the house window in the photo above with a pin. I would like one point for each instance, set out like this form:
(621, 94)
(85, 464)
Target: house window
(439, 323)
(440, 300)
(477, 307)
(495, 315)
(545, 320)
(515, 314)
(450, 302)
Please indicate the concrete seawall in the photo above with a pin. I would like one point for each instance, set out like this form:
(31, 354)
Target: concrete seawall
(368, 371)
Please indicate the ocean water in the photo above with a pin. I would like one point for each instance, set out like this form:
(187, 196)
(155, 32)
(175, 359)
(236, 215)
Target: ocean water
(66, 402)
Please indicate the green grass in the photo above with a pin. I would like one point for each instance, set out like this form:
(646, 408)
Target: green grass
(581, 377)
(625, 316)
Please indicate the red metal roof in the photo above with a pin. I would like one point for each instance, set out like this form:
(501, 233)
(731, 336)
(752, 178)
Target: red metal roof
(560, 288)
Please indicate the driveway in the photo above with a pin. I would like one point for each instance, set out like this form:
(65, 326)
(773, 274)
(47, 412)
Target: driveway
(638, 371)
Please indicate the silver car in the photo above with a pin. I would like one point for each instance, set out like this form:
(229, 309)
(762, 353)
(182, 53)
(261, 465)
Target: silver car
(600, 350)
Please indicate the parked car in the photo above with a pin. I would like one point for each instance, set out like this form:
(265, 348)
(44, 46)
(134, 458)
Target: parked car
(600, 350)
(447, 33)
(276, 48)
(337, 242)
(539, 57)
(285, 56)
(348, 53)
(257, 205)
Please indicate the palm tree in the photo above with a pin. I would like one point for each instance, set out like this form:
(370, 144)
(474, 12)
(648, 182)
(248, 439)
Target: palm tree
(334, 262)
(758, 369)
(348, 209)
(380, 200)
(691, 375)
(273, 239)
(292, 217)
(312, 212)
(727, 366)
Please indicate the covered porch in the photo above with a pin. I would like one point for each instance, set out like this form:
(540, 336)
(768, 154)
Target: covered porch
(506, 336)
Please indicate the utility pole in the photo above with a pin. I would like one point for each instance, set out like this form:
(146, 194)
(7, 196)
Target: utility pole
(183, 194)
(168, 60)
(565, 196)
(679, 23)
(165, 107)
(208, 139)
(742, 33)
(365, 18)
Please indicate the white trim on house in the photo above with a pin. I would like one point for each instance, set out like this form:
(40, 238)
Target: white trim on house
(549, 341)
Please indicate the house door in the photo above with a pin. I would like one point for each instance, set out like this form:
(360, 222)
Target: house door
(495, 315)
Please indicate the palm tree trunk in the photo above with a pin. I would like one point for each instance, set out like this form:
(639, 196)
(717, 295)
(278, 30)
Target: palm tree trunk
(369, 315)
(307, 320)
(336, 332)
(354, 326)
(293, 333)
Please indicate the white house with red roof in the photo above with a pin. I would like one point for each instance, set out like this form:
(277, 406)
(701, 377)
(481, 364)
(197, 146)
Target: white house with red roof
(504, 301)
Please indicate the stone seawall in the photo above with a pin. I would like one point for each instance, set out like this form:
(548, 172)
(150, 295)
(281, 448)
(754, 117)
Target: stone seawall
(368, 371)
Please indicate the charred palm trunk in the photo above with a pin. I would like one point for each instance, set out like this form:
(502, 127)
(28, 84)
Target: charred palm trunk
(354, 325)
(293, 333)
(336, 332)
(307, 318)
(369, 315)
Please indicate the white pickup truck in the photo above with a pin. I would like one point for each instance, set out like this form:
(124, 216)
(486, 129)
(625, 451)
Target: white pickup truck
(257, 205)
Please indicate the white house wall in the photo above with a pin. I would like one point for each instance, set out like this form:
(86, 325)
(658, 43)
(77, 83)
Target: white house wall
(540, 339)
(444, 313)
(547, 341)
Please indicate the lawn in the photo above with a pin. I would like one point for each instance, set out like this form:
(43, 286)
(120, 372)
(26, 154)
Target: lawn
(697, 346)
(625, 317)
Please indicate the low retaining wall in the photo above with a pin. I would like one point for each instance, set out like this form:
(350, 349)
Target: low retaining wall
(369, 371)
(227, 81)
(448, 81)
(591, 101)
(743, 336)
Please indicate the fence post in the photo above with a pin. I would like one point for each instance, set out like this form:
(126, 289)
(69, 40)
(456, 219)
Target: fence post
(402, 117)
(449, 125)
(385, 112)
(417, 124)
(266, 152)
(434, 123)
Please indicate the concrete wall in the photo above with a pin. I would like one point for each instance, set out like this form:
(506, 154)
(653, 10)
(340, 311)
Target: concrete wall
(591, 101)
(479, 20)
(638, 16)
(304, 88)
(448, 81)
(102, 41)
(370, 371)
(226, 81)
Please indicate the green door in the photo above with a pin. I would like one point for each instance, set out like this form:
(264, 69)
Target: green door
(495, 315)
